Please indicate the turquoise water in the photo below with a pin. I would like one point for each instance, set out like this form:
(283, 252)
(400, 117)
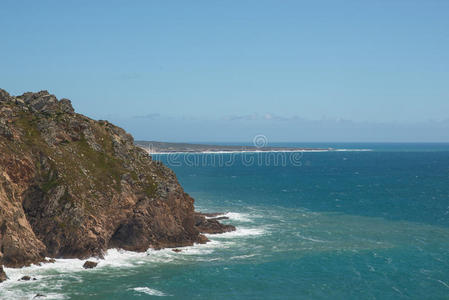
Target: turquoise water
(329, 225)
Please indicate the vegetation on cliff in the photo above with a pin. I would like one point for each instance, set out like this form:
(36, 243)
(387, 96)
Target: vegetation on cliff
(72, 187)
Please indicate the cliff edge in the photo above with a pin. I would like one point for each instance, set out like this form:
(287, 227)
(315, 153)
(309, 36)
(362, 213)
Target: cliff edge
(73, 187)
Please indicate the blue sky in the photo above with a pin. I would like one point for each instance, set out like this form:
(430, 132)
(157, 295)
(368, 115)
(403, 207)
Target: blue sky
(228, 70)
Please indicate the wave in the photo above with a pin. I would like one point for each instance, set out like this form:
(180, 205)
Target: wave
(234, 216)
(52, 277)
(148, 291)
(116, 258)
(240, 232)
(309, 238)
(243, 256)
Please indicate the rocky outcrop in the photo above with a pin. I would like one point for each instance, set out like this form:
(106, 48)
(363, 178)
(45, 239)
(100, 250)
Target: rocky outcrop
(208, 223)
(72, 187)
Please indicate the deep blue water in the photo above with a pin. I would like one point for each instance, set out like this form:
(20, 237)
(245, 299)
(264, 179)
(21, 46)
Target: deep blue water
(328, 225)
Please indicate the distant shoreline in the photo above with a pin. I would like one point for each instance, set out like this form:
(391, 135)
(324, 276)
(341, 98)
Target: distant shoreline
(157, 148)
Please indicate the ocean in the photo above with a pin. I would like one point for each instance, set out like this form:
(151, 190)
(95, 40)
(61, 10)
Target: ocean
(315, 225)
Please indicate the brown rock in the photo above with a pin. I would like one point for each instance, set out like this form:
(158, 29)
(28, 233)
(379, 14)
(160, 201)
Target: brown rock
(176, 250)
(73, 187)
(25, 278)
(89, 265)
(211, 226)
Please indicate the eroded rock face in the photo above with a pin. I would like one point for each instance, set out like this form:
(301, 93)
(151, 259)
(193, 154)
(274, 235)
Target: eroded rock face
(73, 187)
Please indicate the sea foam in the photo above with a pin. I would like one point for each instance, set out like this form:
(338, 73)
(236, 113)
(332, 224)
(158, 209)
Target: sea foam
(51, 277)
(148, 291)
(234, 216)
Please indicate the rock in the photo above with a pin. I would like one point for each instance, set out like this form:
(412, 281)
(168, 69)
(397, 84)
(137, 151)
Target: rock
(25, 278)
(38, 296)
(41, 102)
(3, 276)
(211, 226)
(4, 96)
(89, 265)
(73, 187)
(66, 106)
(176, 250)
(5, 130)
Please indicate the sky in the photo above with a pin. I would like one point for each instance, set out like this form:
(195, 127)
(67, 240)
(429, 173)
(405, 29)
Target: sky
(225, 71)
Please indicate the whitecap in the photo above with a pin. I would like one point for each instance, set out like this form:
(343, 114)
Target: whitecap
(148, 291)
(240, 232)
(243, 256)
(234, 216)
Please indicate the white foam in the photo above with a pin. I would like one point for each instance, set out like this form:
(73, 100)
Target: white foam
(240, 232)
(52, 277)
(148, 291)
(233, 216)
(115, 258)
(243, 256)
(7, 293)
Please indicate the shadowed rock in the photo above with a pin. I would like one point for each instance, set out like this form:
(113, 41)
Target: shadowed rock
(3, 276)
(211, 225)
(25, 278)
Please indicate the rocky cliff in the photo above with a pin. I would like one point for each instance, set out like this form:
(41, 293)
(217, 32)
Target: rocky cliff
(73, 187)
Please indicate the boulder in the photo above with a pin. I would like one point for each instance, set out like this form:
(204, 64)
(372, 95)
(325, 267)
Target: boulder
(25, 278)
(90, 264)
(211, 225)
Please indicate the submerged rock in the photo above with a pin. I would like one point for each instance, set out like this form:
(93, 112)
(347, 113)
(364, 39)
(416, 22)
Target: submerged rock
(73, 187)
(25, 278)
(90, 265)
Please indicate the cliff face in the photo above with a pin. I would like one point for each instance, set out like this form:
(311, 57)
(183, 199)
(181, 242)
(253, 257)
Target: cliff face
(74, 187)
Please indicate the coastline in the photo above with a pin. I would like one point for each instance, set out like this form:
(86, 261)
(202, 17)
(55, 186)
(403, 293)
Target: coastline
(256, 151)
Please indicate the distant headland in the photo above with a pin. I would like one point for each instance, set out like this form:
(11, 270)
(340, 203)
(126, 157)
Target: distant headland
(154, 147)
